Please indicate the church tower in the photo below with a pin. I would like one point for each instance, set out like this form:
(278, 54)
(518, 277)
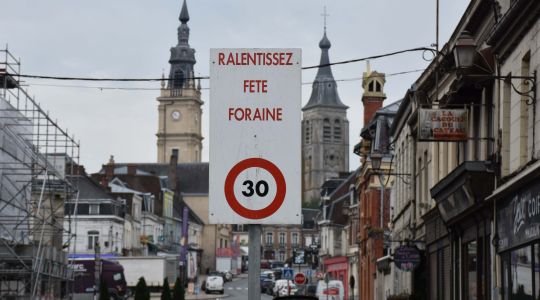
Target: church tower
(325, 131)
(180, 103)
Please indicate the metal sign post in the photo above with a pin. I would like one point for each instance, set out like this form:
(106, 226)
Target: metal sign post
(254, 270)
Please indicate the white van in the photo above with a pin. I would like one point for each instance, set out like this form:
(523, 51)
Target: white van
(214, 284)
(333, 291)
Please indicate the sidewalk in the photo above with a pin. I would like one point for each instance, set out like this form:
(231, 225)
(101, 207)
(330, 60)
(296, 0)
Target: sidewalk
(201, 296)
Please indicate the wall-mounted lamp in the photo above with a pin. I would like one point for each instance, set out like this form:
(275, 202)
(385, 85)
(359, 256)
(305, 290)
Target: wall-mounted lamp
(464, 54)
(376, 161)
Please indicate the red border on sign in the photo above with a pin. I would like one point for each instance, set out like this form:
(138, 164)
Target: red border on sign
(300, 278)
(267, 211)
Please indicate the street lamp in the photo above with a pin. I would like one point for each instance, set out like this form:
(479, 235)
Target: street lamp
(376, 160)
(464, 54)
(464, 51)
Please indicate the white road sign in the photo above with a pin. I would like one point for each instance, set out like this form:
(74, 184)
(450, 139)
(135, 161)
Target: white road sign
(255, 158)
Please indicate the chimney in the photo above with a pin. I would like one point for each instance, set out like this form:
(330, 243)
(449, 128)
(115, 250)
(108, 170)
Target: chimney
(109, 172)
(131, 169)
(109, 168)
(172, 169)
(373, 96)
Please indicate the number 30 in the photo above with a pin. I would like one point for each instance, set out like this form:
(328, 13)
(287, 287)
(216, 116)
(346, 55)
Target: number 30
(261, 188)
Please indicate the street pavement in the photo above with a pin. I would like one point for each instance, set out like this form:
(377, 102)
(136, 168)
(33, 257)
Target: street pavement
(234, 290)
(238, 290)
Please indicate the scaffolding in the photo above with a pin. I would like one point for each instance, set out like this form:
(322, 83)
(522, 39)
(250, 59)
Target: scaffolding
(39, 163)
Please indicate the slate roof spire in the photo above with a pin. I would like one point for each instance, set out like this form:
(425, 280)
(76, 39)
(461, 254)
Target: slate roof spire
(324, 92)
(182, 55)
(184, 15)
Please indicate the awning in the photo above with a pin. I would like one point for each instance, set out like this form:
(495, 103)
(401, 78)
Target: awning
(463, 189)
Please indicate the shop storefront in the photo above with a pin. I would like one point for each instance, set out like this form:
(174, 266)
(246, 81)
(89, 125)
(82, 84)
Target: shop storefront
(518, 241)
(337, 269)
(458, 234)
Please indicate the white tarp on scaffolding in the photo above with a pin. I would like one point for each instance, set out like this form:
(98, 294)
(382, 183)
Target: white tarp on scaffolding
(15, 172)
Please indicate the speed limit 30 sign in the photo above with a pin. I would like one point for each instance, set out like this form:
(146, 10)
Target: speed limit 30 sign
(255, 168)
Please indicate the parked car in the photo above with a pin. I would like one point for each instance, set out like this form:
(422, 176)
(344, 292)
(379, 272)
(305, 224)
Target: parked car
(333, 291)
(307, 290)
(289, 289)
(280, 283)
(228, 275)
(267, 282)
(214, 284)
(220, 273)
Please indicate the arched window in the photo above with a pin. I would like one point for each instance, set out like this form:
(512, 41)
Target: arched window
(178, 79)
(327, 130)
(377, 86)
(371, 86)
(337, 130)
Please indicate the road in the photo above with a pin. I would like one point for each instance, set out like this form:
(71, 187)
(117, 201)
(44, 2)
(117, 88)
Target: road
(235, 290)
(238, 290)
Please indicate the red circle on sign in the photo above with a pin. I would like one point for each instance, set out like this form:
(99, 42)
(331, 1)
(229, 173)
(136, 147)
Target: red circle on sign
(300, 278)
(255, 213)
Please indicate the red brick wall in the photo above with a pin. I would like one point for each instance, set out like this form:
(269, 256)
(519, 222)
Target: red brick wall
(371, 246)
(371, 105)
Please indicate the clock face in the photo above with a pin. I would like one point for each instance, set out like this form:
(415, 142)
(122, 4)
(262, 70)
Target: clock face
(175, 115)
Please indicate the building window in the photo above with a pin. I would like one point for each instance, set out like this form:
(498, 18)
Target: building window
(327, 134)
(337, 130)
(269, 238)
(93, 209)
(282, 238)
(377, 86)
(295, 239)
(281, 256)
(371, 86)
(307, 132)
(518, 273)
(93, 239)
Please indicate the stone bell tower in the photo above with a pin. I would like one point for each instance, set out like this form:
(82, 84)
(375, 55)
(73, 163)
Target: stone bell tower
(180, 102)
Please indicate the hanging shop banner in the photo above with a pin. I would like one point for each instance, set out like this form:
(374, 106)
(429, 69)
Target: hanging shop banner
(255, 135)
(407, 258)
(439, 125)
(518, 220)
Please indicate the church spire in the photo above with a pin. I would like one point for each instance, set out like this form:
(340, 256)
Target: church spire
(324, 92)
(184, 15)
(182, 55)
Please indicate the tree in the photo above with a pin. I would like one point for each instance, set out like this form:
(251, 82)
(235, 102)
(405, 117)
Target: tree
(178, 291)
(141, 290)
(166, 292)
(104, 290)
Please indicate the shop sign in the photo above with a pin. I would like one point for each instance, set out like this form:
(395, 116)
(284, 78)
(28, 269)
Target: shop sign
(518, 221)
(442, 125)
(407, 258)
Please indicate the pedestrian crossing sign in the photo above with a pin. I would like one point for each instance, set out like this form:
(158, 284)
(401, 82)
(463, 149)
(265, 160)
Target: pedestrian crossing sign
(288, 273)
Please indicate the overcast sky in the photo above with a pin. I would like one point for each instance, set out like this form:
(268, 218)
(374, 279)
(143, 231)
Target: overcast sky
(131, 38)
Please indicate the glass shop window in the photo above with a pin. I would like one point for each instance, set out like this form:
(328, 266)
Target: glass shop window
(471, 270)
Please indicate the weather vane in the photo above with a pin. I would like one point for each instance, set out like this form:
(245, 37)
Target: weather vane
(324, 14)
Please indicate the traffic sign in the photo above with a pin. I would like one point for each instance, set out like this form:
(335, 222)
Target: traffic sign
(255, 136)
(300, 278)
(288, 273)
